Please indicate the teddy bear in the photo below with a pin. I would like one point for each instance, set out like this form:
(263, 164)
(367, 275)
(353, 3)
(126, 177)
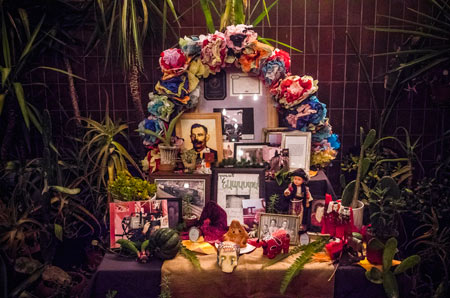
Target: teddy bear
(237, 234)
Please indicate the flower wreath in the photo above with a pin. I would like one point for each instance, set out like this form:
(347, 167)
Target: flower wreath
(204, 55)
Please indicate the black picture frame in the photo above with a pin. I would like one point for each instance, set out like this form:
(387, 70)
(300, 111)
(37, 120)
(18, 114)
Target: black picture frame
(173, 222)
(215, 86)
(244, 131)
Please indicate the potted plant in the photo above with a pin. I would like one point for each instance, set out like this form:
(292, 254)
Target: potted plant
(167, 147)
(189, 218)
(189, 158)
(128, 188)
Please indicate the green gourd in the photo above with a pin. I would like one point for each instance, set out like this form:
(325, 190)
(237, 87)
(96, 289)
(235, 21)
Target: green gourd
(164, 243)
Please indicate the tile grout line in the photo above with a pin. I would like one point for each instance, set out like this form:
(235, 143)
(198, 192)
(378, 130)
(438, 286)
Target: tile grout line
(318, 42)
(359, 72)
(331, 60)
(304, 37)
(345, 74)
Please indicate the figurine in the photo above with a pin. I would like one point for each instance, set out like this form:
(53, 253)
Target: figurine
(279, 241)
(237, 234)
(297, 191)
(227, 256)
(338, 219)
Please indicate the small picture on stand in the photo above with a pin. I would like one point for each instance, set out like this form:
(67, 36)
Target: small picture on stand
(270, 223)
(317, 212)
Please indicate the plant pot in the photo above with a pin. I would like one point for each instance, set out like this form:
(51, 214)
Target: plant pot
(190, 221)
(78, 284)
(190, 165)
(358, 214)
(168, 155)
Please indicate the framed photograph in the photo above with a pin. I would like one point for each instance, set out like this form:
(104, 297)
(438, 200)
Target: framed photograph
(228, 150)
(215, 86)
(237, 123)
(299, 145)
(249, 152)
(273, 135)
(271, 222)
(240, 192)
(201, 132)
(135, 220)
(317, 212)
(174, 186)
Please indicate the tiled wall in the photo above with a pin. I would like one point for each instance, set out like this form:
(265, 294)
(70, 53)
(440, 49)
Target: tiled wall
(318, 28)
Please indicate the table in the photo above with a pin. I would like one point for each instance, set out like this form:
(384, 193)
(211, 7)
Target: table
(131, 279)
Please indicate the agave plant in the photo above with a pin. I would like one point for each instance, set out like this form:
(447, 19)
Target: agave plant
(428, 45)
(127, 23)
(106, 155)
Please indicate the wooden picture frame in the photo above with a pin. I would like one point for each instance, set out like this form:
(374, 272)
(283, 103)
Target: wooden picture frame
(271, 222)
(212, 121)
(299, 145)
(180, 184)
(273, 131)
(233, 185)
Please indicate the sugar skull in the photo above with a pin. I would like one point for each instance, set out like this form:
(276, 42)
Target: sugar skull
(227, 256)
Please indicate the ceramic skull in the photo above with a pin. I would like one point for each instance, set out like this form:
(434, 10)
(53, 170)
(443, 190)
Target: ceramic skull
(227, 256)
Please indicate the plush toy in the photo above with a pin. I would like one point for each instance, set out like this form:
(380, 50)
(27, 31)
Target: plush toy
(227, 256)
(297, 191)
(237, 234)
(279, 241)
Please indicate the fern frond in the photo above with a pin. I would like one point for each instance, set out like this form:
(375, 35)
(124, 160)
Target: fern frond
(191, 256)
(300, 262)
(165, 288)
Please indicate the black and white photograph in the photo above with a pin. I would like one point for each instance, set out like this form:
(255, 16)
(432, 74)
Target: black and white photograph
(270, 223)
(235, 201)
(237, 124)
(179, 188)
(251, 152)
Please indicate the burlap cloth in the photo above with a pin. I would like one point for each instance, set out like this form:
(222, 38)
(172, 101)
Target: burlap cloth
(248, 278)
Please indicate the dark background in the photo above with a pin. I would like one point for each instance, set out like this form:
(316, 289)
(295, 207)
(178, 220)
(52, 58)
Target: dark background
(316, 27)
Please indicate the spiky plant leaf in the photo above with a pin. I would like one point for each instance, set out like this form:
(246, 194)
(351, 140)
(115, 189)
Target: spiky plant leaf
(300, 263)
(407, 263)
(191, 256)
(390, 249)
(263, 14)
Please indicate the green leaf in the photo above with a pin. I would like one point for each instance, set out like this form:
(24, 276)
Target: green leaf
(375, 276)
(191, 256)
(144, 245)
(30, 42)
(59, 232)
(425, 68)
(263, 14)
(430, 17)
(390, 284)
(390, 248)
(405, 52)
(69, 191)
(5, 73)
(239, 16)
(375, 244)
(416, 33)
(347, 194)
(370, 138)
(172, 8)
(128, 245)
(2, 102)
(208, 17)
(416, 24)
(365, 166)
(266, 11)
(5, 43)
(264, 39)
(420, 60)
(62, 71)
(407, 263)
(34, 118)
(24, 18)
(18, 89)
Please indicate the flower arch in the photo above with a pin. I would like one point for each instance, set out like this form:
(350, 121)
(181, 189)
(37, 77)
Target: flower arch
(201, 56)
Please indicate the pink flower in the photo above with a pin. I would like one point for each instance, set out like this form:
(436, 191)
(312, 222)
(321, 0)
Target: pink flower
(292, 90)
(214, 50)
(239, 36)
(173, 62)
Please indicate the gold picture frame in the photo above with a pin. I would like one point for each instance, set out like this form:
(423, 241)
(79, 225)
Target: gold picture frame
(299, 145)
(213, 123)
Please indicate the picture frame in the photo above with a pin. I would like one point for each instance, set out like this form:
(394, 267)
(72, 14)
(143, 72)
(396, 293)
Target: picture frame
(237, 123)
(233, 186)
(317, 213)
(271, 222)
(215, 87)
(273, 135)
(174, 186)
(174, 211)
(213, 123)
(299, 145)
(249, 151)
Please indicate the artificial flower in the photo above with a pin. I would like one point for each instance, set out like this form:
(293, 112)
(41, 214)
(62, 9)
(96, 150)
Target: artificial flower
(194, 97)
(292, 90)
(276, 67)
(154, 124)
(253, 56)
(160, 106)
(334, 141)
(310, 111)
(214, 51)
(323, 158)
(178, 88)
(153, 159)
(322, 132)
(190, 46)
(173, 62)
(239, 36)
(199, 69)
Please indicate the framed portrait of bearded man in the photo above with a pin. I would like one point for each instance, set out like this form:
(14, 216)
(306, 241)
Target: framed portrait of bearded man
(202, 133)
